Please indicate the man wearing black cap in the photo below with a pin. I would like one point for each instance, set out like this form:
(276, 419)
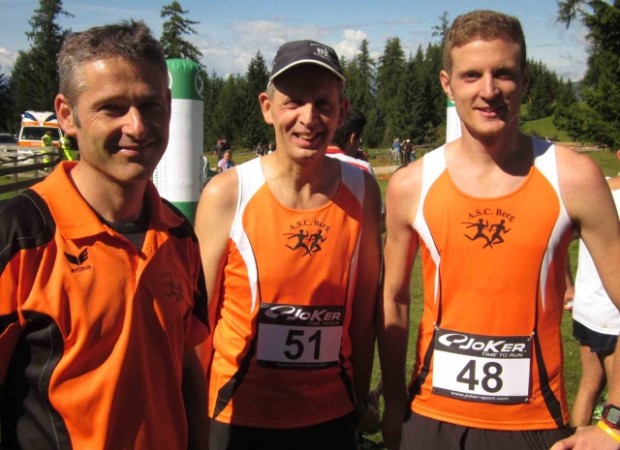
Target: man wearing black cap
(291, 311)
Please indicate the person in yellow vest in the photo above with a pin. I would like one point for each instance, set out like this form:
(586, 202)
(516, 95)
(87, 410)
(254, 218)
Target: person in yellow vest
(47, 143)
(46, 140)
(67, 147)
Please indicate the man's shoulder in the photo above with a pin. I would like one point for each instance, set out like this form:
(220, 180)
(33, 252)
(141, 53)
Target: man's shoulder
(25, 222)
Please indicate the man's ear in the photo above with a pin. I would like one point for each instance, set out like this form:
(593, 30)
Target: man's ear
(265, 107)
(65, 115)
(352, 138)
(444, 78)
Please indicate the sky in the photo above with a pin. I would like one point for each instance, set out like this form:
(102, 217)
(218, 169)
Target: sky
(231, 32)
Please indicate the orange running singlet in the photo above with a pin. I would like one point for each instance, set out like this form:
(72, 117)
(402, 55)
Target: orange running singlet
(489, 352)
(281, 347)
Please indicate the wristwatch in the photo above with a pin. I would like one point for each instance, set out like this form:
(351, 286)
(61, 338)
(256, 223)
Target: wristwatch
(611, 416)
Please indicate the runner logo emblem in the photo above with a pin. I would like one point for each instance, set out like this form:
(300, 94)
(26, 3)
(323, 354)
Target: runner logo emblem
(491, 227)
(307, 235)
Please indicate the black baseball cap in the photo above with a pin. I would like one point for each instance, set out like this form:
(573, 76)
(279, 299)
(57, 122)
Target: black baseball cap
(305, 52)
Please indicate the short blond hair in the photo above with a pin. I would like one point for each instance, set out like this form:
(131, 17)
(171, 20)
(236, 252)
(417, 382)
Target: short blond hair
(486, 25)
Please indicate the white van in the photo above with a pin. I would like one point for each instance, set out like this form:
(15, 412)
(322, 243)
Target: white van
(34, 125)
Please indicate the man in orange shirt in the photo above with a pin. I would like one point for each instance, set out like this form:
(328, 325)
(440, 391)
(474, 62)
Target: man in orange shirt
(492, 214)
(292, 311)
(100, 305)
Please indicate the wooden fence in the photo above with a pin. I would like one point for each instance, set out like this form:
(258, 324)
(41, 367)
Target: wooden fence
(20, 168)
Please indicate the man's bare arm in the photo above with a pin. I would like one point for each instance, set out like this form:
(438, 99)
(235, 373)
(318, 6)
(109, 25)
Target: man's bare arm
(393, 326)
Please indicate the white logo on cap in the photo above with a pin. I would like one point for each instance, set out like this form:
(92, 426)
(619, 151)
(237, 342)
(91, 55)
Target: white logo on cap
(322, 52)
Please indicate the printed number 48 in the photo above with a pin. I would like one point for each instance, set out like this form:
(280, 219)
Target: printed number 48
(491, 382)
(295, 342)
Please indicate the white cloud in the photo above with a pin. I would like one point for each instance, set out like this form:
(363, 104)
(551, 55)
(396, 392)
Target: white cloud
(7, 60)
(231, 52)
(350, 45)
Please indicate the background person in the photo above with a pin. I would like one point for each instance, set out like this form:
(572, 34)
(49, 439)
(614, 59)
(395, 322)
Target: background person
(345, 144)
(100, 307)
(596, 324)
(292, 309)
(226, 162)
(505, 285)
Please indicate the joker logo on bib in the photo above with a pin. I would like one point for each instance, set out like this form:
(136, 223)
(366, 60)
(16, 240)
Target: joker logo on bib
(299, 337)
(477, 368)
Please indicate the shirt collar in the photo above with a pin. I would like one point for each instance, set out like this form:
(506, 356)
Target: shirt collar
(76, 219)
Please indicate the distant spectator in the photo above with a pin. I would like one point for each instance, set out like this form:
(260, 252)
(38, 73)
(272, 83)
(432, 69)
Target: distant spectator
(226, 162)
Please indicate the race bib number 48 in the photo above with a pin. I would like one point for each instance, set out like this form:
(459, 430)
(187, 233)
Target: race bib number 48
(299, 337)
(479, 368)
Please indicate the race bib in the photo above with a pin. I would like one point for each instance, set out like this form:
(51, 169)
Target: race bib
(299, 337)
(477, 368)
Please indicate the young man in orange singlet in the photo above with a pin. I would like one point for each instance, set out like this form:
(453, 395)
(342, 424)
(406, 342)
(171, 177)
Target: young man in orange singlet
(488, 372)
(293, 329)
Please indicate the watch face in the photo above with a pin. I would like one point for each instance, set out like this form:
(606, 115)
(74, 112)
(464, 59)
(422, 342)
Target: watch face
(612, 414)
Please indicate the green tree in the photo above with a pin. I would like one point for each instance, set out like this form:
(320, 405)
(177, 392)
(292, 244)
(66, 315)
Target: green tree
(542, 91)
(227, 116)
(6, 106)
(389, 78)
(598, 117)
(34, 80)
(441, 30)
(406, 113)
(360, 90)
(212, 91)
(175, 28)
(254, 130)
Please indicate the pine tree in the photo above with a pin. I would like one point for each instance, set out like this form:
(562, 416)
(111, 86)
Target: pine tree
(211, 94)
(253, 129)
(389, 78)
(6, 103)
(227, 117)
(360, 90)
(34, 80)
(598, 117)
(175, 28)
(542, 91)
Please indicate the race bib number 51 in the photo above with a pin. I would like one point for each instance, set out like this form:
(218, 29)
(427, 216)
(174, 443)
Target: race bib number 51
(299, 337)
(489, 369)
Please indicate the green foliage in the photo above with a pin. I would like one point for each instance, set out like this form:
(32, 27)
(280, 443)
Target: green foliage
(34, 80)
(212, 90)
(542, 90)
(360, 89)
(253, 128)
(598, 118)
(6, 112)
(175, 27)
(390, 75)
(227, 116)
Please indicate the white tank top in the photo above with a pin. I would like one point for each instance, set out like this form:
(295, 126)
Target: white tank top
(591, 305)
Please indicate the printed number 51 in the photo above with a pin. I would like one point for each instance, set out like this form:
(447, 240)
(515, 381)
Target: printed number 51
(295, 342)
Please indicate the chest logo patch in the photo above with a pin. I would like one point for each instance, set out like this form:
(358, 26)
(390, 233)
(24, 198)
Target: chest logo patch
(307, 237)
(78, 260)
(490, 228)
(171, 286)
